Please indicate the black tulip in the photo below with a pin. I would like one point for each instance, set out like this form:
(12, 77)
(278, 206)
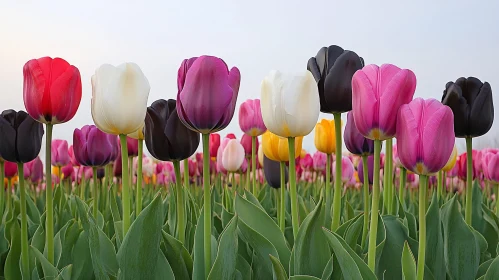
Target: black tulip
(333, 68)
(272, 171)
(20, 136)
(471, 103)
(166, 137)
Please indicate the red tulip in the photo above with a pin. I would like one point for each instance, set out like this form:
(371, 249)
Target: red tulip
(10, 169)
(214, 144)
(246, 142)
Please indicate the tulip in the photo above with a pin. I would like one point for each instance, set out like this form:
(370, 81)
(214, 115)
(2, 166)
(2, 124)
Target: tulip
(223, 145)
(490, 165)
(67, 171)
(319, 161)
(246, 141)
(347, 169)
(244, 166)
(307, 162)
(355, 142)
(119, 102)
(271, 170)
(448, 167)
(366, 175)
(72, 158)
(11, 169)
(132, 146)
(214, 144)
(487, 156)
(192, 168)
(425, 140)
(250, 118)
(92, 147)
(20, 142)
(206, 101)
(33, 170)
(276, 148)
(60, 155)
(260, 155)
(233, 156)
(333, 68)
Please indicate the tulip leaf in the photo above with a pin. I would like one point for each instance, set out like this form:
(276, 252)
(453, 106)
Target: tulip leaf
(303, 277)
(310, 254)
(328, 270)
(490, 230)
(65, 273)
(482, 269)
(461, 249)
(12, 269)
(138, 254)
(408, 264)
(164, 270)
(493, 271)
(32, 211)
(177, 257)
(351, 265)
(244, 268)
(434, 240)
(278, 271)
(354, 231)
(262, 223)
(477, 220)
(251, 198)
(49, 271)
(82, 261)
(225, 263)
(198, 251)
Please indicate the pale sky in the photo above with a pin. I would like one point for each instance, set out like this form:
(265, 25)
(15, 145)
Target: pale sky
(439, 40)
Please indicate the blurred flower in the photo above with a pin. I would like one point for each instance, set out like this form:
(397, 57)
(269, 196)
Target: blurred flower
(250, 118)
(60, 155)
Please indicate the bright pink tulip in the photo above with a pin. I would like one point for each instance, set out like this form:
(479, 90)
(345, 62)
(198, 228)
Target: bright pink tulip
(377, 94)
(192, 166)
(72, 158)
(133, 146)
(347, 169)
(231, 136)
(33, 170)
(307, 162)
(67, 171)
(490, 164)
(455, 170)
(246, 142)
(250, 118)
(244, 166)
(425, 135)
(10, 169)
(60, 155)
(462, 170)
(319, 160)
(233, 156)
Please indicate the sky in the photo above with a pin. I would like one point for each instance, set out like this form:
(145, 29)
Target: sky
(439, 40)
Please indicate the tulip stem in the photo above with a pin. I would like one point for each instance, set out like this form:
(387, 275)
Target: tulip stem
(469, 181)
(371, 253)
(49, 222)
(24, 223)
(496, 191)
(138, 199)
(207, 205)
(94, 192)
(389, 175)
(186, 173)
(2, 189)
(253, 162)
(180, 202)
(444, 183)
(365, 169)
(282, 215)
(439, 184)
(337, 178)
(423, 185)
(403, 179)
(327, 186)
(125, 177)
(292, 187)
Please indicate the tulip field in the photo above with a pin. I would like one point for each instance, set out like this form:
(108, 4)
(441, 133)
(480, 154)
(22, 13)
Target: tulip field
(155, 189)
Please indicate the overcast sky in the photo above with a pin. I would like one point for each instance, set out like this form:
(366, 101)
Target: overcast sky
(439, 40)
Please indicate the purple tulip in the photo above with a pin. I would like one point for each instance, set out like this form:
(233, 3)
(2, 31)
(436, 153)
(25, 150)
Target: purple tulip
(370, 172)
(93, 147)
(207, 93)
(355, 142)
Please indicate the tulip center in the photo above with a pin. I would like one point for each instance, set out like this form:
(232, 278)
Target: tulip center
(376, 133)
(420, 168)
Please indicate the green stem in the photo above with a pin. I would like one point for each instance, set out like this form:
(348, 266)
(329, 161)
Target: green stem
(365, 169)
(253, 163)
(49, 221)
(24, 223)
(496, 190)
(186, 173)
(328, 187)
(292, 187)
(207, 205)
(2, 188)
(389, 175)
(374, 208)
(423, 180)
(282, 215)
(9, 192)
(337, 181)
(138, 199)
(125, 177)
(180, 203)
(403, 179)
(469, 181)
(95, 192)
(444, 183)
(439, 184)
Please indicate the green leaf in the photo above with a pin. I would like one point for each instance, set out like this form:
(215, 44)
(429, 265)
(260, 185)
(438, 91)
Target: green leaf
(251, 198)
(164, 270)
(477, 215)
(461, 250)
(434, 259)
(493, 271)
(303, 277)
(225, 263)
(198, 251)
(12, 269)
(49, 271)
(177, 256)
(328, 271)
(262, 223)
(65, 273)
(278, 271)
(32, 211)
(408, 264)
(244, 268)
(490, 230)
(138, 254)
(82, 261)
(351, 265)
(310, 254)
(482, 269)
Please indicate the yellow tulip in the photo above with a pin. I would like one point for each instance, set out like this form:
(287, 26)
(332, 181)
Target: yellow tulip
(452, 160)
(276, 148)
(325, 136)
(56, 171)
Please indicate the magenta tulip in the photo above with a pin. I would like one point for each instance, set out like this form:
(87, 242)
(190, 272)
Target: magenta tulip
(377, 94)
(370, 171)
(250, 118)
(347, 169)
(307, 162)
(67, 171)
(60, 155)
(92, 147)
(490, 165)
(425, 135)
(133, 146)
(72, 158)
(33, 170)
(10, 169)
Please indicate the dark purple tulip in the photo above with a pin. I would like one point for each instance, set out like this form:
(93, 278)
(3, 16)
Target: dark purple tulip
(370, 167)
(20, 136)
(272, 171)
(100, 173)
(207, 93)
(92, 147)
(355, 142)
(33, 170)
(166, 137)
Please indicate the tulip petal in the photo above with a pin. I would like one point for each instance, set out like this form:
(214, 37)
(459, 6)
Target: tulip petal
(482, 112)
(365, 100)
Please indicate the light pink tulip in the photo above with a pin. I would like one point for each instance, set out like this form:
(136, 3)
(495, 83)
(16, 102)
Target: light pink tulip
(319, 161)
(250, 118)
(347, 169)
(233, 156)
(60, 155)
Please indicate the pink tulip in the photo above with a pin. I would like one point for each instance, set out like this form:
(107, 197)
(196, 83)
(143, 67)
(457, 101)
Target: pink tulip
(67, 171)
(233, 156)
(244, 166)
(33, 170)
(192, 166)
(133, 146)
(246, 142)
(60, 155)
(347, 169)
(307, 162)
(319, 159)
(425, 135)
(221, 148)
(490, 165)
(377, 94)
(72, 158)
(250, 118)
(10, 169)
(462, 161)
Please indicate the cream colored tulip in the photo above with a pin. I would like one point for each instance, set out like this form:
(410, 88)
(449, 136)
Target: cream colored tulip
(290, 103)
(260, 155)
(119, 98)
(138, 134)
(233, 156)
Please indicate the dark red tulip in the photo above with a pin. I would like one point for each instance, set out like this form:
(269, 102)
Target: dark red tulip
(246, 142)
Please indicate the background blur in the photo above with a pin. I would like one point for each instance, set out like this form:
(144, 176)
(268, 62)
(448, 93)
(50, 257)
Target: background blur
(439, 40)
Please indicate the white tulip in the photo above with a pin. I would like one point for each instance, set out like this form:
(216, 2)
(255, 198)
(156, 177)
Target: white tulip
(233, 156)
(119, 98)
(138, 134)
(290, 103)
